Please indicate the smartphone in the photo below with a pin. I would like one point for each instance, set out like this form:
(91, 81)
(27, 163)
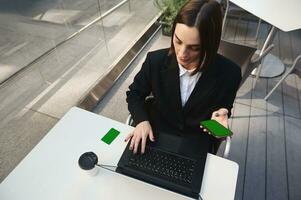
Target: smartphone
(216, 129)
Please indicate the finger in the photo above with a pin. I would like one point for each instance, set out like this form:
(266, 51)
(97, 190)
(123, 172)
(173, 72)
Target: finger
(132, 142)
(137, 141)
(201, 126)
(205, 130)
(151, 135)
(128, 136)
(224, 111)
(221, 112)
(143, 144)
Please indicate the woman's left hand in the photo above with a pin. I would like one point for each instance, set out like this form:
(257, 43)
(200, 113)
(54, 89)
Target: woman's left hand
(220, 116)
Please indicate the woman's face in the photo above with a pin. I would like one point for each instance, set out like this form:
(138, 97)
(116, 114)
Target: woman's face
(187, 45)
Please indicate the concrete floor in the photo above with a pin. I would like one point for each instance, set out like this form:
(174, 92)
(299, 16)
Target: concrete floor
(116, 96)
(28, 29)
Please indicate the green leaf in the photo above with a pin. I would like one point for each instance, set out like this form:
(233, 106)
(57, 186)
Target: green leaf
(170, 10)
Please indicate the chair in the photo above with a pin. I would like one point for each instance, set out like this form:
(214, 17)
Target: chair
(233, 10)
(150, 100)
(244, 56)
(296, 69)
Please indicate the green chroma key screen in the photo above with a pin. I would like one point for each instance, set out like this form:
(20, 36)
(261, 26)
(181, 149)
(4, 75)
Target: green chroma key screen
(110, 136)
(216, 129)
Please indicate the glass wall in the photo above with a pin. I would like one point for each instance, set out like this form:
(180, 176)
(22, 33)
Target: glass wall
(60, 45)
(30, 28)
(51, 53)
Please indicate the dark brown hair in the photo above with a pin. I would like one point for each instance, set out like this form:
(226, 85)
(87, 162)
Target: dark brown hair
(206, 16)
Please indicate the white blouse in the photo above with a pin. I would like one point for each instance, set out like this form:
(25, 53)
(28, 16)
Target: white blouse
(187, 82)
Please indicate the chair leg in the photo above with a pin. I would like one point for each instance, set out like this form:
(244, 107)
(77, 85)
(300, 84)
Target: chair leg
(267, 42)
(129, 120)
(225, 17)
(286, 74)
(258, 69)
(275, 87)
(227, 148)
(257, 30)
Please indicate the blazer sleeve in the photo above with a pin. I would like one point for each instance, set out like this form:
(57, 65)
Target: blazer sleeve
(138, 91)
(230, 92)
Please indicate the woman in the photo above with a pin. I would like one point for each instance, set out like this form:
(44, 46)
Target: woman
(189, 81)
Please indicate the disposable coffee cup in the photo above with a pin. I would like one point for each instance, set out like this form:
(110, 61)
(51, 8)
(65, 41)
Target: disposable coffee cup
(87, 162)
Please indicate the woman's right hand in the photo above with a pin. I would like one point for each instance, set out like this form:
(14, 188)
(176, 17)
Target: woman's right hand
(142, 131)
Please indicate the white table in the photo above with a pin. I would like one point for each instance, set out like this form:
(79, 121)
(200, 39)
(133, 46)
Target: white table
(51, 171)
(282, 14)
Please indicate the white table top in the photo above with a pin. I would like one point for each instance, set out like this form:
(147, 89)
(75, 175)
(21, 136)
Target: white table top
(283, 14)
(50, 170)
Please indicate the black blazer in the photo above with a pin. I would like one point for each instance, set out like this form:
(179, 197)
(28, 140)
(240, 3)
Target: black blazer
(159, 75)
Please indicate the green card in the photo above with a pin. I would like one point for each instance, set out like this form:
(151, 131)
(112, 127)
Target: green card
(110, 136)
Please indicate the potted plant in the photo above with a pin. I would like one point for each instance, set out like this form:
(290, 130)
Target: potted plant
(170, 9)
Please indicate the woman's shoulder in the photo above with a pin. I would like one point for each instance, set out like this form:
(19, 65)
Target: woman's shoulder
(158, 55)
(227, 64)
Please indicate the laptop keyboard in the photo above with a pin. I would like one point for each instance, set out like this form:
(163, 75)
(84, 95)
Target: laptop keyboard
(164, 165)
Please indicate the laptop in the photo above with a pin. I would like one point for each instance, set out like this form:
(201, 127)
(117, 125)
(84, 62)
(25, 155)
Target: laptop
(174, 162)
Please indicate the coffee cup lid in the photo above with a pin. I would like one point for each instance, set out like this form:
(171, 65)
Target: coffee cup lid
(88, 160)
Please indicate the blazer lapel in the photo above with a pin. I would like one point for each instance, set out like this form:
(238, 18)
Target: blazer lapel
(171, 83)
